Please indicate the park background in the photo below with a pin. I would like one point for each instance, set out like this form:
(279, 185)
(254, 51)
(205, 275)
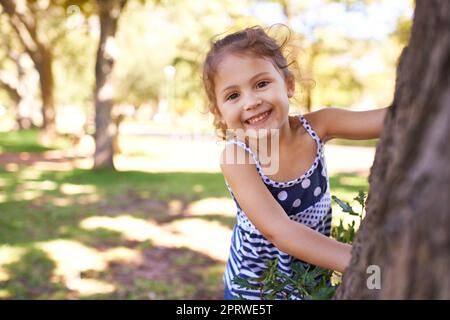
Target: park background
(157, 224)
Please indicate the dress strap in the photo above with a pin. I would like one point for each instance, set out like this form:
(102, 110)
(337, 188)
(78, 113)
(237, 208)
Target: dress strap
(312, 133)
(259, 169)
(310, 130)
(246, 148)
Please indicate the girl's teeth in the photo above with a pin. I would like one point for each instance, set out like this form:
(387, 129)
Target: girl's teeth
(253, 120)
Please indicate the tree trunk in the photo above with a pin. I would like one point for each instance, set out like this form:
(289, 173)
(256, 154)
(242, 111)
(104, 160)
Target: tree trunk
(109, 13)
(44, 67)
(24, 23)
(406, 230)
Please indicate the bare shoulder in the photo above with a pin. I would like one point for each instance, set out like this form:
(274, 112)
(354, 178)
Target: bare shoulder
(318, 121)
(237, 163)
(251, 193)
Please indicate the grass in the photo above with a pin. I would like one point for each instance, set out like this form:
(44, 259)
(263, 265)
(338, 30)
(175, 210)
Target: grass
(59, 202)
(27, 141)
(355, 143)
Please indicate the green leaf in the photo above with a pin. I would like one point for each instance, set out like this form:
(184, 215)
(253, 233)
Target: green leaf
(345, 206)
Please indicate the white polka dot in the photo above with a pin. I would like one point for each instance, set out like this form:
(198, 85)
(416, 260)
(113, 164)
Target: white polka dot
(306, 183)
(297, 203)
(317, 191)
(282, 195)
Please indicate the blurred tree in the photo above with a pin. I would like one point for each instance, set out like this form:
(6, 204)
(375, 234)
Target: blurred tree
(109, 12)
(39, 26)
(401, 250)
(24, 21)
(10, 79)
(198, 22)
(338, 66)
(313, 43)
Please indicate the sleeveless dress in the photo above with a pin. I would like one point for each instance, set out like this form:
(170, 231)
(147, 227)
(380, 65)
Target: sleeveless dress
(305, 200)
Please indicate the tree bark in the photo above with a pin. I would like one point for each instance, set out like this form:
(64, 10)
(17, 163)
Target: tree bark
(109, 13)
(406, 229)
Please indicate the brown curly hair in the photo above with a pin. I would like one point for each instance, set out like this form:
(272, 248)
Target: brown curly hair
(252, 41)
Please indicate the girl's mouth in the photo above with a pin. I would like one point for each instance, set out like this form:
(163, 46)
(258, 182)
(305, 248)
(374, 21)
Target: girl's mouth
(259, 118)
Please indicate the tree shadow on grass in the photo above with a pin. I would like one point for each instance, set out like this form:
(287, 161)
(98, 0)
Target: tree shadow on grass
(160, 273)
(45, 219)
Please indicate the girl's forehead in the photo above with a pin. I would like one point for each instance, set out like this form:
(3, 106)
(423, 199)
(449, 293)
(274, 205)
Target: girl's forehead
(238, 65)
(242, 60)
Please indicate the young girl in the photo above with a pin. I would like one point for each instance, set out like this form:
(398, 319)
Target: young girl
(284, 214)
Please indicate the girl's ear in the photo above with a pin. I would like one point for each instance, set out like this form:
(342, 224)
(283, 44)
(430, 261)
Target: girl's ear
(290, 86)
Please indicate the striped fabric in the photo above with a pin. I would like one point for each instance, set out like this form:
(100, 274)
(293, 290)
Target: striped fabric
(306, 200)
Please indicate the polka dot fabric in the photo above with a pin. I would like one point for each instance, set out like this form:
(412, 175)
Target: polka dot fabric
(305, 200)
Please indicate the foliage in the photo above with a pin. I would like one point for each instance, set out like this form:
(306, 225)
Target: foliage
(347, 233)
(154, 34)
(307, 281)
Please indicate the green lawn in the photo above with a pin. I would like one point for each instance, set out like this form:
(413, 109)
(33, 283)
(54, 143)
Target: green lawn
(27, 141)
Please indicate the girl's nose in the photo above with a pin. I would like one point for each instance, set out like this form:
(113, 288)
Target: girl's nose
(252, 103)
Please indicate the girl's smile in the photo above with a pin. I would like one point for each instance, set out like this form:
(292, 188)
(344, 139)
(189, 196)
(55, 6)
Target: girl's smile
(259, 119)
(252, 93)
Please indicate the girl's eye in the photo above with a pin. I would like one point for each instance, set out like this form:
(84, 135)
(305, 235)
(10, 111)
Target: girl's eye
(232, 96)
(262, 84)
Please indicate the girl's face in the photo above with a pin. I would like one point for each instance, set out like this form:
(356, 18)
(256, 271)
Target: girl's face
(252, 93)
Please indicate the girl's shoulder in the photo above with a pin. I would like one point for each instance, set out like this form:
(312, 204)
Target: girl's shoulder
(316, 121)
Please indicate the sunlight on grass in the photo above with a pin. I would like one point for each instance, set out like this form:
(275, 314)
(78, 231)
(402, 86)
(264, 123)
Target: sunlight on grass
(208, 206)
(8, 255)
(71, 189)
(63, 202)
(40, 185)
(3, 183)
(5, 294)
(30, 173)
(353, 180)
(123, 254)
(131, 227)
(175, 207)
(162, 154)
(72, 257)
(207, 237)
(88, 287)
(198, 188)
(27, 195)
(12, 167)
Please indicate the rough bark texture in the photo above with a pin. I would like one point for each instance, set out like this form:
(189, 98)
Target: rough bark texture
(406, 229)
(109, 13)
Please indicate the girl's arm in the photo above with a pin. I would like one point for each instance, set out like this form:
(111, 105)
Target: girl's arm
(339, 123)
(270, 219)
